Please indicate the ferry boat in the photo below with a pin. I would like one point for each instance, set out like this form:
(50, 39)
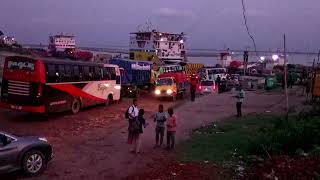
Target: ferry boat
(62, 43)
(158, 47)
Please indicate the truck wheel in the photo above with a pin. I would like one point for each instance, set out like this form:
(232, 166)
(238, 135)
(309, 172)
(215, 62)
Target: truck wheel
(33, 163)
(75, 105)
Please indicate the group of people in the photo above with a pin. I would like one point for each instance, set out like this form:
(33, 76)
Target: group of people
(164, 120)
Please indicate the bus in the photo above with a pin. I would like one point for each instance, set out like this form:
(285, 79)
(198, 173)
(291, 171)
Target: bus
(213, 73)
(53, 85)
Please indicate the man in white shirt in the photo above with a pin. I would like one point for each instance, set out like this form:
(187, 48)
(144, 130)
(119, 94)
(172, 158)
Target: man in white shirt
(133, 110)
(133, 137)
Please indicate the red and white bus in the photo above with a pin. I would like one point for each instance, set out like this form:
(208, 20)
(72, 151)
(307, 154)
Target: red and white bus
(53, 85)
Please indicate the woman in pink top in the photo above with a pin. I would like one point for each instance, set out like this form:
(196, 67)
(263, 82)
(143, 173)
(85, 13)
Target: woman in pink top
(171, 129)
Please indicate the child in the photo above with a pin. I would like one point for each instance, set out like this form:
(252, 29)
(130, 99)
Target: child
(171, 131)
(160, 118)
(137, 135)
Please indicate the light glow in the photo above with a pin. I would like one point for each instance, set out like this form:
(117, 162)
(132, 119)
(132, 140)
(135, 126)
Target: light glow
(275, 57)
(169, 91)
(117, 87)
(157, 92)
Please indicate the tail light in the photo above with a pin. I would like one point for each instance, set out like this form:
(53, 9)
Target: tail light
(200, 87)
(214, 87)
(40, 90)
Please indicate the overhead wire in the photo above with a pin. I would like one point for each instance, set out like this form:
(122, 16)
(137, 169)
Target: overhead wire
(247, 27)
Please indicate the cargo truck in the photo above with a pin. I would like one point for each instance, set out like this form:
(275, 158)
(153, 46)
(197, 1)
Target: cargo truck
(135, 75)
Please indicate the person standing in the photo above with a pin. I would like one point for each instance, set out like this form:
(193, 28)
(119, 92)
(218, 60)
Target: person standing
(240, 97)
(218, 82)
(132, 114)
(171, 129)
(160, 118)
(137, 136)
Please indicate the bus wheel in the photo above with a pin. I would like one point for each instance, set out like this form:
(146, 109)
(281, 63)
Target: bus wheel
(75, 105)
(110, 100)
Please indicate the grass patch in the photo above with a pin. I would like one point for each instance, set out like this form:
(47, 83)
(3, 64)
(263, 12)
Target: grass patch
(224, 141)
(259, 135)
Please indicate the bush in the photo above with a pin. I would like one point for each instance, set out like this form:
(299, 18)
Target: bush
(300, 132)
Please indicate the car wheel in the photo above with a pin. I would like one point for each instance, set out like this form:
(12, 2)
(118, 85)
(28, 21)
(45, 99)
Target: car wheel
(75, 106)
(33, 163)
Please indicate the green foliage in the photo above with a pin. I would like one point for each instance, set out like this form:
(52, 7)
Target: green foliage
(224, 141)
(301, 132)
(255, 135)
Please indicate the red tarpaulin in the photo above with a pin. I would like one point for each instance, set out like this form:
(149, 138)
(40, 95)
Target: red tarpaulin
(235, 64)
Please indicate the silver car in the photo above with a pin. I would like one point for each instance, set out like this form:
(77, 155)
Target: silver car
(207, 86)
(29, 153)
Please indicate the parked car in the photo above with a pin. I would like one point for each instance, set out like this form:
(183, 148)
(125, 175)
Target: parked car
(27, 153)
(207, 86)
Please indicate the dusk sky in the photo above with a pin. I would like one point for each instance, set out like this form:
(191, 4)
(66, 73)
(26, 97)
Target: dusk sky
(208, 23)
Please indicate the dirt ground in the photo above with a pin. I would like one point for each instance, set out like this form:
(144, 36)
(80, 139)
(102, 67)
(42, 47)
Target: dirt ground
(92, 144)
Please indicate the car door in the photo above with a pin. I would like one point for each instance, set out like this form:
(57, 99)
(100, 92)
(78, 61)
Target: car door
(8, 153)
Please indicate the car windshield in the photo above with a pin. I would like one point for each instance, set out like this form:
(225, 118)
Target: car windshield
(207, 83)
(166, 81)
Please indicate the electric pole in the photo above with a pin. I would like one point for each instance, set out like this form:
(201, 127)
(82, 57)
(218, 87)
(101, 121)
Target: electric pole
(285, 75)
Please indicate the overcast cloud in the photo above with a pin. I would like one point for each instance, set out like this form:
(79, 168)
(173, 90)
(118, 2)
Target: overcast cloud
(208, 23)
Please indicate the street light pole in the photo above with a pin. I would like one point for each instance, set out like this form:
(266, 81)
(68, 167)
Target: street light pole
(318, 58)
(285, 76)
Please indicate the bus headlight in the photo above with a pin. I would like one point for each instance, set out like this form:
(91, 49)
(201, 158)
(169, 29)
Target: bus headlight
(117, 87)
(169, 91)
(157, 92)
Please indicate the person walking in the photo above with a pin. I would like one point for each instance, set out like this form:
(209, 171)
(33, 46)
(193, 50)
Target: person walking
(240, 97)
(193, 88)
(132, 114)
(160, 118)
(137, 136)
(171, 129)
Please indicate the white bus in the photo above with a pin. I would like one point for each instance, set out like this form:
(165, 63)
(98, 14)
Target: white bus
(213, 73)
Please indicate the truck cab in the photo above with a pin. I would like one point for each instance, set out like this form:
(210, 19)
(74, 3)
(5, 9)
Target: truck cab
(171, 85)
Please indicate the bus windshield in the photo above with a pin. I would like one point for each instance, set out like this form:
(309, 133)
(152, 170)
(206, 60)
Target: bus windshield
(164, 82)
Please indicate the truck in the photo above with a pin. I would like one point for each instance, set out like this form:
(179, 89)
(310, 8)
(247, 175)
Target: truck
(193, 68)
(172, 84)
(135, 75)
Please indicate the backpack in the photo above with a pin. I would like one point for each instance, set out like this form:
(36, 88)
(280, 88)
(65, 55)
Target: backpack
(126, 115)
(134, 127)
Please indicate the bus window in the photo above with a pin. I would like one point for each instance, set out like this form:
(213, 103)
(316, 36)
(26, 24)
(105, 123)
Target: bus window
(106, 74)
(76, 73)
(86, 73)
(91, 73)
(51, 73)
(97, 73)
(113, 73)
(68, 73)
(61, 73)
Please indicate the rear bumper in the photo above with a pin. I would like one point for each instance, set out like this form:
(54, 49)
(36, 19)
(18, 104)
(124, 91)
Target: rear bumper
(34, 109)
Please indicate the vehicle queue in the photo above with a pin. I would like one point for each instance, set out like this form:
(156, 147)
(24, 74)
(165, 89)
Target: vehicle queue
(47, 85)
